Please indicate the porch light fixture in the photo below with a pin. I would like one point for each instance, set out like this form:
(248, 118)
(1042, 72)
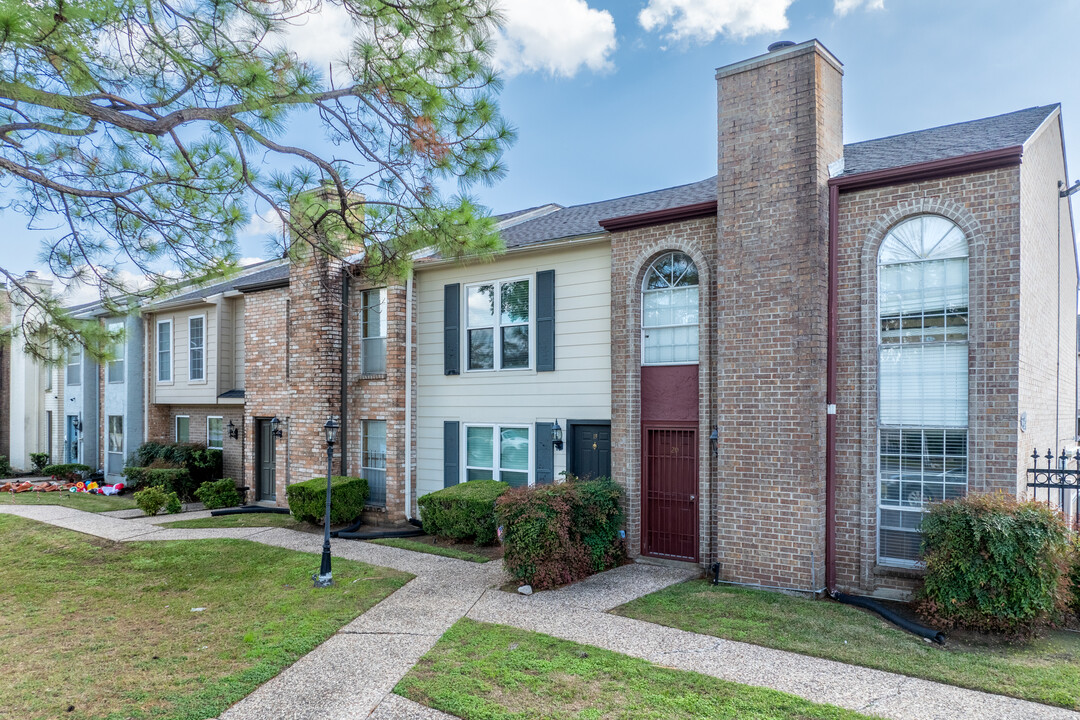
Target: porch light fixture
(714, 441)
(234, 432)
(275, 427)
(325, 577)
(556, 436)
(77, 425)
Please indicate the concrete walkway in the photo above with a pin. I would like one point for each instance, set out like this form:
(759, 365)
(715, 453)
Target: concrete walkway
(352, 674)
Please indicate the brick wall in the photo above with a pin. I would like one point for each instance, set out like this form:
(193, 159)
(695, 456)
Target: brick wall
(162, 428)
(267, 370)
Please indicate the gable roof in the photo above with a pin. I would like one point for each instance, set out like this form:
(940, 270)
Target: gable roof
(256, 274)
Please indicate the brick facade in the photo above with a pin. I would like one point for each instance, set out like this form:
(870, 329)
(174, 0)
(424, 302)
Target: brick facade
(267, 371)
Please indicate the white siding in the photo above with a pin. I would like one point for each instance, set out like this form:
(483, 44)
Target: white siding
(580, 386)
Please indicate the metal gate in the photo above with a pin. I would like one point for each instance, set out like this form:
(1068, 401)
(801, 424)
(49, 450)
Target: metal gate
(669, 493)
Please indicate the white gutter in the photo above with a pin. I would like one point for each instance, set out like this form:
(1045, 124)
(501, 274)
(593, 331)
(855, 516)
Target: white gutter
(545, 246)
(408, 393)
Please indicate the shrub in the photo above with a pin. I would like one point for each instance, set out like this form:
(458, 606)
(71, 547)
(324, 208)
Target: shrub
(40, 461)
(1074, 574)
(151, 500)
(218, 494)
(348, 495)
(463, 512)
(558, 534)
(173, 504)
(66, 472)
(992, 564)
(201, 462)
(171, 479)
(5, 467)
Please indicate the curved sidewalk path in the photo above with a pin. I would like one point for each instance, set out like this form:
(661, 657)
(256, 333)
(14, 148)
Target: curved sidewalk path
(351, 676)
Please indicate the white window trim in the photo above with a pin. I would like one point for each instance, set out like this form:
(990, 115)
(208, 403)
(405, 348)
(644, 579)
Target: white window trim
(641, 313)
(496, 335)
(176, 427)
(206, 355)
(108, 432)
(157, 353)
(496, 471)
(122, 358)
(384, 302)
(208, 419)
(67, 368)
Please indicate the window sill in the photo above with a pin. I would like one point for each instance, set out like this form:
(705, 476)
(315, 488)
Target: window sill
(899, 571)
(372, 376)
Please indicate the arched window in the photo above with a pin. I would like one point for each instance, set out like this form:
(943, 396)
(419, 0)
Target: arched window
(669, 311)
(922, 377)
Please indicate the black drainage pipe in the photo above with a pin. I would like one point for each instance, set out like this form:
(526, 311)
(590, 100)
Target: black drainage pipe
(248, 509)
(924, 632)
(379, 535)
(352, 528)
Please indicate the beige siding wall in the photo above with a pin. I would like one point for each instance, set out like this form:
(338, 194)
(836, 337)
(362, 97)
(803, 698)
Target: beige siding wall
(238, 344)
(226, 337)
(580, 386)
(182, 390)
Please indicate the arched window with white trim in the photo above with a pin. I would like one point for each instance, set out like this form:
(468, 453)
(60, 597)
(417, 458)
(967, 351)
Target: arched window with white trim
(922, 378)
(669, 311)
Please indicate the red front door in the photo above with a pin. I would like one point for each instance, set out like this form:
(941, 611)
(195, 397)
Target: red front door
(669, 493)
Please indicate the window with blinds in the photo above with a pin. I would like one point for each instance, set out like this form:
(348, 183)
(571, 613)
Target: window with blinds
(922, 378)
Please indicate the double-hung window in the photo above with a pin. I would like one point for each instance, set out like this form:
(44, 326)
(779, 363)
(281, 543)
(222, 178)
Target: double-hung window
(373, 331)
(215, 433)
(922, 378)
(116, 444)
(73, 371)
(164, 351)
(183, 429)
(373, 459)
(497, 325)
(197, 348)
(116, 366)
(669, 311)
(498, 452)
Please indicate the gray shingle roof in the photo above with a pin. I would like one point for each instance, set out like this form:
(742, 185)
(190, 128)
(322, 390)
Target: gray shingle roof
(251, 275)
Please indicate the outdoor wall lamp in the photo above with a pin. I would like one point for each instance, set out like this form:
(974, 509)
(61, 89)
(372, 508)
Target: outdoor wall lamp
(325, 577)
(275, 427)
(714, 441)
(556, 436)
(77, 425)
(234, 432)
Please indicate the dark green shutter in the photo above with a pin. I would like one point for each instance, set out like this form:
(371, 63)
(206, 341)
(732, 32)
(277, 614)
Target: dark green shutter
(451, 450)
(452, 329)
(545, 455)
(545, 321)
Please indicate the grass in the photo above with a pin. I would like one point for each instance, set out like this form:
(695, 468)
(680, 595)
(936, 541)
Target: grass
(407, 544)
(81, 501)
(494, 672)
(243, 520)
(1046, 670)
(109, 631)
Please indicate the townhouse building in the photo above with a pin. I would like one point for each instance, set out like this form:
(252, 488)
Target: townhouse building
(782, 364)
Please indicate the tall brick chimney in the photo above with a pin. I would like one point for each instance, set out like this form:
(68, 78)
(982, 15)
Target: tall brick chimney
(780, 126)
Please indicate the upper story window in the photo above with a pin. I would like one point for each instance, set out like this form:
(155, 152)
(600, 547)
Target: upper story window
(74, 366)
(164, 351)
(373, 331)
(669, 311)
(497, 316)
(922, 378)
(116, 367)
(197, 347)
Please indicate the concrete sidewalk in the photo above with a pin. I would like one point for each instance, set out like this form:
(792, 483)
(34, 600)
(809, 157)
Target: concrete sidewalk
(352, 675)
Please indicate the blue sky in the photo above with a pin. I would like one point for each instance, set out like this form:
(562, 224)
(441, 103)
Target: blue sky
(613, 98)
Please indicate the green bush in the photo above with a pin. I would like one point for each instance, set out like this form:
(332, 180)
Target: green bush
(201, 462)
(5, 467)
(463, 512)
(218, 494)
(993, 564)
(40, 461)
(1074, 575)
(348, 495)
(558, 534)
(66, 472)
(171, 479)
(173, 504)
(152, 500)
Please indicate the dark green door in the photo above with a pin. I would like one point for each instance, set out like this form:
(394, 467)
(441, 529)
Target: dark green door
(266, 454)
(589, 449)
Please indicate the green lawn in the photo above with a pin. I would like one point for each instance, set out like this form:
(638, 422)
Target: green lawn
(1046, 670)
(82, 501)
(244, 520)
(407, 544)
(110, 629)
(479, 671)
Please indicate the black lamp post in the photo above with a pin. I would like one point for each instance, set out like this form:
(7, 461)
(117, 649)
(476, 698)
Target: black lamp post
(324, 578)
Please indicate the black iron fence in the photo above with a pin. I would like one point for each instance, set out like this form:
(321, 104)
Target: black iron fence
(1059, 481)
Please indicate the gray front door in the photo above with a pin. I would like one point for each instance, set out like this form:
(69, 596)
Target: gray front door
(589, 453)
(266, 459)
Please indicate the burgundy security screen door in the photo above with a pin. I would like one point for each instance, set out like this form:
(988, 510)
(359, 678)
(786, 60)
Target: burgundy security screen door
(669, 493)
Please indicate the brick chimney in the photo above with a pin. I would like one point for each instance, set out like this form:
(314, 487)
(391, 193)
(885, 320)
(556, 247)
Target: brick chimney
(780, 125)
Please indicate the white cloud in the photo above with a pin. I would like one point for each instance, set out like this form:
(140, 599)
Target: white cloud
(702, 20)
(322, 37)
(245, 261)
(843, 7)
(559, 37)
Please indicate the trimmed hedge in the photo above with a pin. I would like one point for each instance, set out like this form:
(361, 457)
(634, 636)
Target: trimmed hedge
(463, 512)
(153, 500)
(558, 534)
(177, 480)
(993, 564)
(348, 495)
(201, 462)
(218, 494)
(66, 472)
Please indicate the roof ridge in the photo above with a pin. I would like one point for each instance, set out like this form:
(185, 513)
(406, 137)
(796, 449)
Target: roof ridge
(1048, 108)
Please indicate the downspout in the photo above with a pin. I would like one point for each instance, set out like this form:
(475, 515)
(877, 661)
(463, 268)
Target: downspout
(830, 393)
(344, 370)
(408, 393)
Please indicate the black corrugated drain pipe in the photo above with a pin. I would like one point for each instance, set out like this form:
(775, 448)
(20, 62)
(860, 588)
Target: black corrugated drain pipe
(349, 533)
(247, 509)
(868, 604)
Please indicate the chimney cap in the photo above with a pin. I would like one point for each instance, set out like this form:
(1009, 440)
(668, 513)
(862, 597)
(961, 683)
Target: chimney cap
(31, 274)
(779, 45)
